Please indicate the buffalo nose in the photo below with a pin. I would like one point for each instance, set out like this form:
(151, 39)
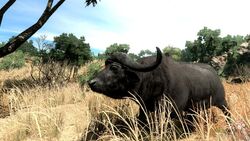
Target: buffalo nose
(92, 82)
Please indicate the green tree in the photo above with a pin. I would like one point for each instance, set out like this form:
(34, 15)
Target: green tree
(237, 58)
(173, 51)
(229, 42)
(209, 44)
(116, 48)
(133, 56)
(247, 38)
(69, 47)
(27, 47)
(203, 48)
(2, 44)
(146, 52)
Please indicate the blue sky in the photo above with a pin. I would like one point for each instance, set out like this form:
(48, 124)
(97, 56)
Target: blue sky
(143, 24)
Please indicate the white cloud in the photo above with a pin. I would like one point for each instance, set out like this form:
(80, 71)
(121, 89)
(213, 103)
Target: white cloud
(144, 24)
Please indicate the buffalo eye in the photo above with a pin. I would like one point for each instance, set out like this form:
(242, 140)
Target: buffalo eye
(114, 68)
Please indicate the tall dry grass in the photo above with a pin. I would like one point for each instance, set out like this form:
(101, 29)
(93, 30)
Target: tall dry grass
(71, 113)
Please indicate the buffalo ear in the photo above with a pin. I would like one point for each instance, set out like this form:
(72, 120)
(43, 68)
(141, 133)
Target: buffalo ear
(132, 77)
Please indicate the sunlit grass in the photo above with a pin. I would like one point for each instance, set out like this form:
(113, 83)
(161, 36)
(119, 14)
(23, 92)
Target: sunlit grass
(72, 113)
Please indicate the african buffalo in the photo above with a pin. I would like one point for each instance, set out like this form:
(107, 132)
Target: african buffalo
(152, 77)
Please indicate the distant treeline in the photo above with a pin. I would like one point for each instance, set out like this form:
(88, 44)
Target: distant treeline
(67, 47)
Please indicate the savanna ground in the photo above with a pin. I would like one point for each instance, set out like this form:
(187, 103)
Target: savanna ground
(76, 113)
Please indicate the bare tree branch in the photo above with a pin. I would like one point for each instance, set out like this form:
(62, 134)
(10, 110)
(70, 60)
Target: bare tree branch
(12, 45)
(5, 8)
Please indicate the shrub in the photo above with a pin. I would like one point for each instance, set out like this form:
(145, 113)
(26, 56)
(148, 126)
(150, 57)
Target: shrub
(53, 73)
(12, 61)
(92, 69)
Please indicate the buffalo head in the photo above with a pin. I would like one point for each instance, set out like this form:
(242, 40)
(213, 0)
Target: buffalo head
(120, 75)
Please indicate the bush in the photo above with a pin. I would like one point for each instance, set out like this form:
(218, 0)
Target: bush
(238, 65)
(92, 69)
(52, 73)
(12, 61)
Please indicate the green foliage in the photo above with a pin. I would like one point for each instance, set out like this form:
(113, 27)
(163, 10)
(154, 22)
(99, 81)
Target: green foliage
(69, 47)
(12, 61)
(27, 47)
(112, 49)
(247, 39)
(133, 56)
(209, 44)
(116, 48)
(203, 48)
(146, 52)
(101, 56)
(237, 64)
(230, 45)
(174, 52)
(229, 42)
(92, 69)
(2, 44)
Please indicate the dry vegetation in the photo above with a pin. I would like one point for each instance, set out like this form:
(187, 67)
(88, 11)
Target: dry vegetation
(72, 113)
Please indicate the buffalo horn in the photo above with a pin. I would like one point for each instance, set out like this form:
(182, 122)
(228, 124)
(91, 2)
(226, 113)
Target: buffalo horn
(126, 61)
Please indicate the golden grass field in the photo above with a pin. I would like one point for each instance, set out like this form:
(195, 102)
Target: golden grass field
(68, 113)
